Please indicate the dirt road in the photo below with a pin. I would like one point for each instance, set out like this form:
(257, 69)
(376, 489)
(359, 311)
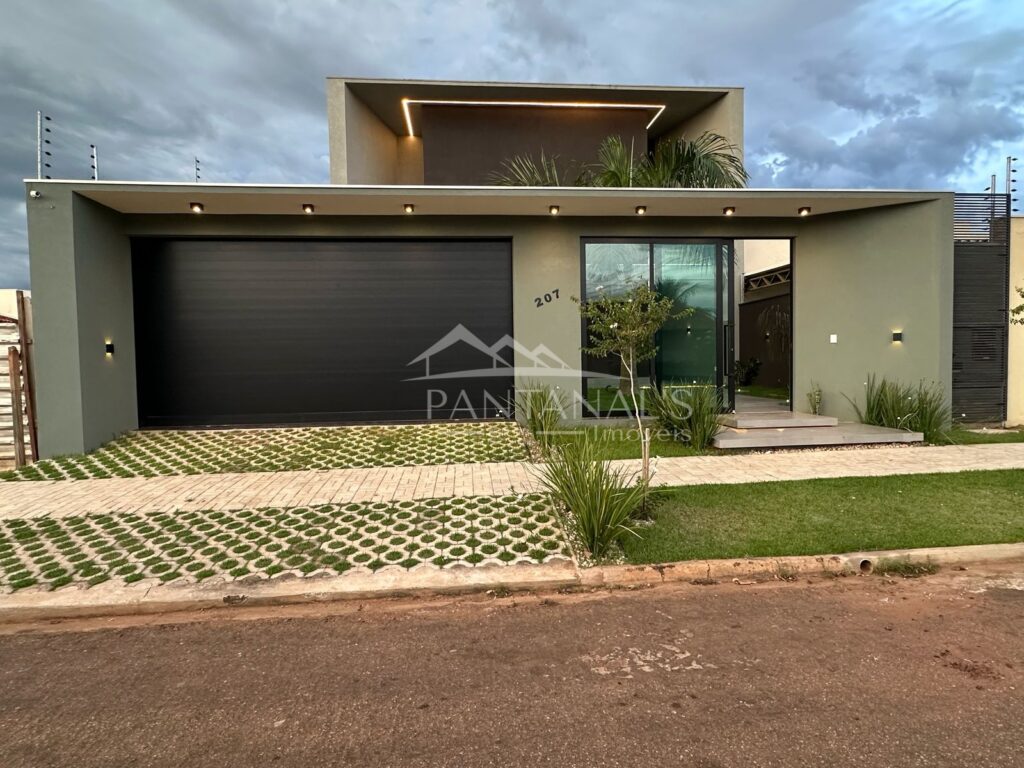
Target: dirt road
(858, 670)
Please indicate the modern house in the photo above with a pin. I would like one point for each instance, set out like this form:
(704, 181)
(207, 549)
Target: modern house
(181, 304)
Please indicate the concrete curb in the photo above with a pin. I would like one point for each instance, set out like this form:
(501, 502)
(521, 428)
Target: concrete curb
(851, 563)
(120, 600)
(129, 600)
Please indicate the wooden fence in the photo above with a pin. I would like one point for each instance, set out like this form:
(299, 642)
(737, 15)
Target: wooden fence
(18, 427)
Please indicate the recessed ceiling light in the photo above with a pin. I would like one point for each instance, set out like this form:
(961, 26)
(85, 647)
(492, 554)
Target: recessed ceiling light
(308, 208)
(804, 210)
(728, 210)
(409, 207)
(553, 210)
(196, 207)
(641, 210)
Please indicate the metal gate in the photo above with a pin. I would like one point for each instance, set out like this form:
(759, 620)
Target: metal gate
(981, 294)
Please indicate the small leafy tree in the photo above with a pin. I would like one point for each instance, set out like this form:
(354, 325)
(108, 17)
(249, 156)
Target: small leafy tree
(625, 327)
(1018, 311)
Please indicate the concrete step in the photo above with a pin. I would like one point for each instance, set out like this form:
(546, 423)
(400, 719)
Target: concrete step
(775, 420)
(809, 437)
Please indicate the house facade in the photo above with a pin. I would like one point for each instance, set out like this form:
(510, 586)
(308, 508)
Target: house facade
(413, 287)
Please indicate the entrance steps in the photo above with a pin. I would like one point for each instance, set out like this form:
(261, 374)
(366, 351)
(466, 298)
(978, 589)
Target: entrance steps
(775, 419)
(790, 429)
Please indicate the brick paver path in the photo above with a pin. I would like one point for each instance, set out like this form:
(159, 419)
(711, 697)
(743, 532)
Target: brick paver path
(265, 489)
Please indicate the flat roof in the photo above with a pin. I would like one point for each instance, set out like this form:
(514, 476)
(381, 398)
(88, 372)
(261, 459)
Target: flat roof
(141, 197)
(666, 105)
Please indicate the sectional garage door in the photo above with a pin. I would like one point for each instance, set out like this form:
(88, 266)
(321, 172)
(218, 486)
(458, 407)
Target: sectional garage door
(317, 331)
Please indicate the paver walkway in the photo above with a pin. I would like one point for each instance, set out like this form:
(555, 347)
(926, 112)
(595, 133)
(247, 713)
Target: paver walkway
(267, 489)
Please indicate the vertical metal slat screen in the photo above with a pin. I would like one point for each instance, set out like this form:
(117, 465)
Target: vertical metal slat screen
(981, 288)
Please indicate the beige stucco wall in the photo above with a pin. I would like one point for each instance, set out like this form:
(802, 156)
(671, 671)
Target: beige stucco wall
(9, 301)
(759, 255)
(859, 275)
(724, 117)
(1015, 363)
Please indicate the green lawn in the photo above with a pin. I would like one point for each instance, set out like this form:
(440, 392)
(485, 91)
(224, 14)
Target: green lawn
(622, 442)
(963, 436)
(811, 517)
(756, 390)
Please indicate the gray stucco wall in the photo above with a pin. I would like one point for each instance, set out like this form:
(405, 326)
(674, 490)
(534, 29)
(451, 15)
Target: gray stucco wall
(860, 275)
(82, 297)
(55, 307)
(105, 312)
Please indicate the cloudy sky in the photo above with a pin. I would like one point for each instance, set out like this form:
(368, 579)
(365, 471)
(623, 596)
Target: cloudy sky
(895, 93)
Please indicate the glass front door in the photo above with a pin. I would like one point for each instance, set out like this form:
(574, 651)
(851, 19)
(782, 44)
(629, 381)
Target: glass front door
(692, 350)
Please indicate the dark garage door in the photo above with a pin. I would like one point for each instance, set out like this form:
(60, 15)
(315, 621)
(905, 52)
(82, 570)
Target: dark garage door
(278, 332)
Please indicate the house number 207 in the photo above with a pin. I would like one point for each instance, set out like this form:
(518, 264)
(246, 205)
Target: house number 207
(547, 298)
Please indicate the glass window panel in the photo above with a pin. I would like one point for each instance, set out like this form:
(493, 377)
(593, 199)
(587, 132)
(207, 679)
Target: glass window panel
(688, 345)
(614, 268)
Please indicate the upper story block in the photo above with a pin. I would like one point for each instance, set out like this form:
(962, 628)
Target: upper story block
(459, 133)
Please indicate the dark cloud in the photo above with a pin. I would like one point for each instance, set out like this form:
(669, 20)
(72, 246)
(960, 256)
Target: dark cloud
(874, 94)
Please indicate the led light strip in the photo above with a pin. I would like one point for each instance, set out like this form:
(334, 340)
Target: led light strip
(562, 104)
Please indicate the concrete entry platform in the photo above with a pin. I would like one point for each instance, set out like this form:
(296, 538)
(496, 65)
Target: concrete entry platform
(775, 420)
(812, 436)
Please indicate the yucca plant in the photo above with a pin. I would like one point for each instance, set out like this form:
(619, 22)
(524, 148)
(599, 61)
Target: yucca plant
(600, 502)
(689, 412)
(669, 410)
(933, 413)
(706, 406)
(541, 408)
(901, 406)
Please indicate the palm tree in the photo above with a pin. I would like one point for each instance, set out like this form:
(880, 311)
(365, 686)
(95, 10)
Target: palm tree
(709, 161)
(522, 171)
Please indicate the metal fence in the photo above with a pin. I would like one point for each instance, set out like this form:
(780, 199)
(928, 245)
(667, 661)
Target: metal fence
(981, 295)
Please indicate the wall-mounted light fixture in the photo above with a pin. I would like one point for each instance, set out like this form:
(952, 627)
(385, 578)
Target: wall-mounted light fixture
(108, 348)
(689, 330)
(308, 208)
(196, 207)
(897, 337)
(804, 210)
(409, 207)
(553, 210)
(641, 210)
(729, 210)
(833, 338)
(35, 194)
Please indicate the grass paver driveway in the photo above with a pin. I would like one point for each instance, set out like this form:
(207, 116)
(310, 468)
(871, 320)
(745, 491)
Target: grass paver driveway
(214, 451)
(326, 540)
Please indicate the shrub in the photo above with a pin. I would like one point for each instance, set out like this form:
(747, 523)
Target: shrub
(814, 398)
(746, 371)
(933, 413)
(901, 406)
(601, 502)
(541, 409)
(690, 413)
